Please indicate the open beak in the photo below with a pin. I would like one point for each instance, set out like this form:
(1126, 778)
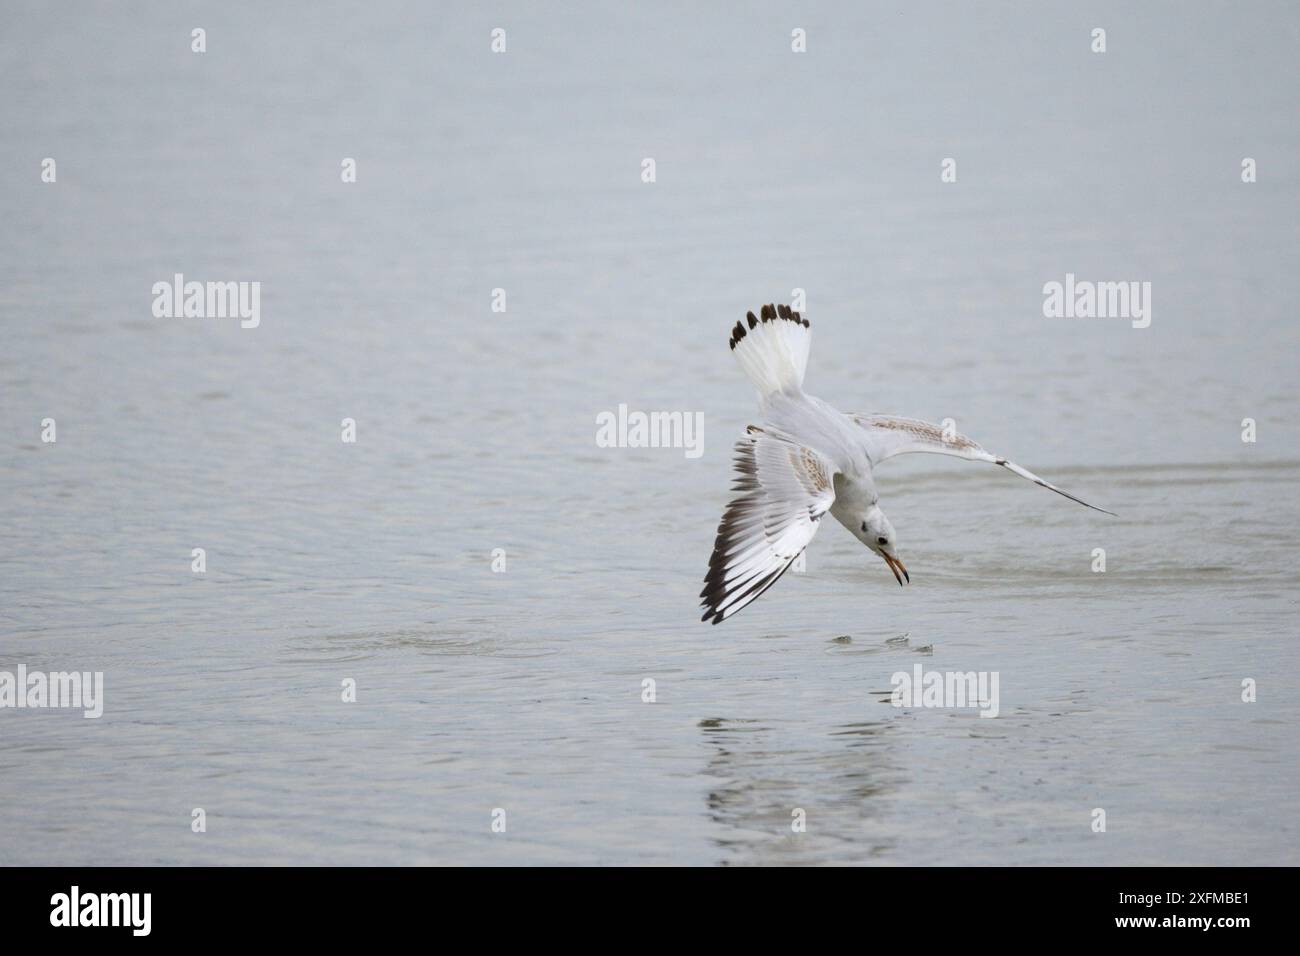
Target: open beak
(896, 566)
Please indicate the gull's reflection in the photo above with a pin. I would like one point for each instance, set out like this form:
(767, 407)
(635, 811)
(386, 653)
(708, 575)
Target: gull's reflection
(766, 772)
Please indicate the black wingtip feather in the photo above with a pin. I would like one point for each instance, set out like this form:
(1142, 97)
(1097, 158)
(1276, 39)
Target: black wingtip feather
(766, 313)
(737, 333)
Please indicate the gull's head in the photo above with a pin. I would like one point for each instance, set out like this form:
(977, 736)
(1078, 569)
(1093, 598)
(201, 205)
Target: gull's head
(877, 533)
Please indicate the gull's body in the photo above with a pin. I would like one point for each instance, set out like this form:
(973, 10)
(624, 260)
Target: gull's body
(808, 459)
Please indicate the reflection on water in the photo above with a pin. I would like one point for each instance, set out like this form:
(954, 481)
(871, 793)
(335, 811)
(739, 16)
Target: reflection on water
(522, 687)
(837, 780)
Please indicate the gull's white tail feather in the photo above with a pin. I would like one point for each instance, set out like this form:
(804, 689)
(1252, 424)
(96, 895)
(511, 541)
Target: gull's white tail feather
(772, 349)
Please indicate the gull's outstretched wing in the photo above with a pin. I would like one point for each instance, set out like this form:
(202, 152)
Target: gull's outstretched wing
(785, 488)
(887, 436)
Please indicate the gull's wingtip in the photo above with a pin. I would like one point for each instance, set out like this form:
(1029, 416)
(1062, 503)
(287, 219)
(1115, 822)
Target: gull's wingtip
(1081, 501)
(1012, 467)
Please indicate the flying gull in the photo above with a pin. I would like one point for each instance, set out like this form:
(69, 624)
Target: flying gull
(805, 460)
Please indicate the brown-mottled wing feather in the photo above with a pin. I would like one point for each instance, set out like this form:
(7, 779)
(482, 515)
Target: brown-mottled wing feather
(783, 488)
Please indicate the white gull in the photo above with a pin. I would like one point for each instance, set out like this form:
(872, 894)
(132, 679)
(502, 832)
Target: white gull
(808, 459)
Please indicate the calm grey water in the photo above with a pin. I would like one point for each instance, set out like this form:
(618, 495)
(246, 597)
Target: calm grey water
(522, 690)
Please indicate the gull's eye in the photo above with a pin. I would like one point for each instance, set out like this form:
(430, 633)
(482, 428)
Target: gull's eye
(864, 527)
(882, 540)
